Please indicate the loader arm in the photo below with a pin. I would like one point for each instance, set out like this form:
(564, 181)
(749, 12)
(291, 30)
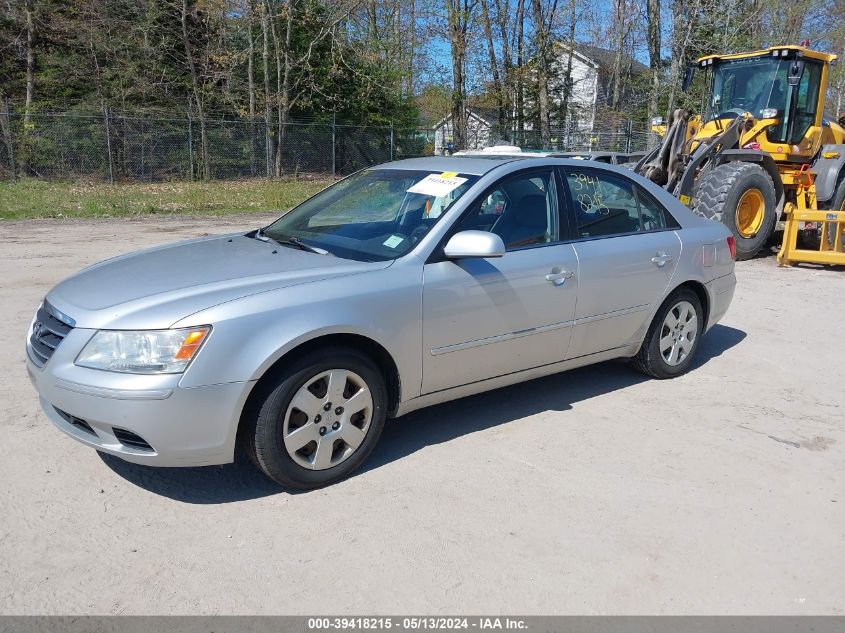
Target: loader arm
(663, 164)
(707, 150)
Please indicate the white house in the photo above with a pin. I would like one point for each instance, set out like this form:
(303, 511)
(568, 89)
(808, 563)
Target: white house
(583, 87)
(480, 122)
(591, 86)
(590, 89)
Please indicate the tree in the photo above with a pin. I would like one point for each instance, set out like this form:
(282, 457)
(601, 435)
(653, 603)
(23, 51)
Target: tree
(684, 23)
(519, 75)
(543, 20)
(508, 35)
(654, 62)
(459, 17)
(196, 89)
(249, 11)
(567, 79)
(30, 62)
(622, 25)
(498, 88)
(309, 30)
(411, 30)
(265, 59)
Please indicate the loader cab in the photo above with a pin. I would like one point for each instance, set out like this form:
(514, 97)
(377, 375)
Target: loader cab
(784, 84)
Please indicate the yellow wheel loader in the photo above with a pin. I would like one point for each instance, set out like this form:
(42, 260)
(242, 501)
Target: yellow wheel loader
(760, 150)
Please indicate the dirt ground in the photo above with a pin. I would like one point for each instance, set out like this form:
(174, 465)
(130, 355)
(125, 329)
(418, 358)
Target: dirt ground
(595, 491)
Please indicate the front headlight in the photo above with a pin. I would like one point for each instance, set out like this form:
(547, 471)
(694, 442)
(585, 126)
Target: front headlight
(144, 351)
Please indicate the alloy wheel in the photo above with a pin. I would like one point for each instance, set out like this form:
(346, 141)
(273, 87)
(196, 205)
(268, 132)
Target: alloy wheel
(678, 334)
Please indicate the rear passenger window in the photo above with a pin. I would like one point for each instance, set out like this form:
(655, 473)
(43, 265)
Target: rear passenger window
(654, 216)
(604, 205)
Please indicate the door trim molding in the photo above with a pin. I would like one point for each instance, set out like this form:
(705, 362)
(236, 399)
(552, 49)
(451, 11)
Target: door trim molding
(509, 336)
(499, 338)
(614, 313)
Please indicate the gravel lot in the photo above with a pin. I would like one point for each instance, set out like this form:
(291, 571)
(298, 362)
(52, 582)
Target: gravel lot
(594, 491)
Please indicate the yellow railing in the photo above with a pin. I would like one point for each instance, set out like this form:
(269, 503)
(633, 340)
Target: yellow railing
(832, 234)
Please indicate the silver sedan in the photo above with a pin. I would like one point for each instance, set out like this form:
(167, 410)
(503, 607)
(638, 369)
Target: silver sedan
(399, 287)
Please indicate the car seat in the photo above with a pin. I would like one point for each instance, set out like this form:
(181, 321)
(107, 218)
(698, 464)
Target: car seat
(525, 222)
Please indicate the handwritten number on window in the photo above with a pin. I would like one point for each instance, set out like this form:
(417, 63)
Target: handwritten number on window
(588, 193)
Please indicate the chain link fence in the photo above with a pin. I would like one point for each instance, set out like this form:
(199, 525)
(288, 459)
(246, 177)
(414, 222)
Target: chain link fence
(604, 131)
(114, 147)
(610, 136)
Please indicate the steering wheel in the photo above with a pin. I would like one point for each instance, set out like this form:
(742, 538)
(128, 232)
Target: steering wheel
(417, 234)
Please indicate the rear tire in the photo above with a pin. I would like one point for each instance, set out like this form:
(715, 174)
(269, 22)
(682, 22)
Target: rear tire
(306, 431)
(672, 339)
(719, 193)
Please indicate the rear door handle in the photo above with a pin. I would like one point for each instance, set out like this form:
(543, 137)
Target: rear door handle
(559, 275)
(661, 258)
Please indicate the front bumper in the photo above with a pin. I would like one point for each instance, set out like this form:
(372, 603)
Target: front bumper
(181, 427)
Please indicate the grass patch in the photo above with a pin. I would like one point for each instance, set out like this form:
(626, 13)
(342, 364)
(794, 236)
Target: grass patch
(30, 198)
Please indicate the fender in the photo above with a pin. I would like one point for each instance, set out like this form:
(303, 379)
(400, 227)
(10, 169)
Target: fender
(250, 334)
(827, 172)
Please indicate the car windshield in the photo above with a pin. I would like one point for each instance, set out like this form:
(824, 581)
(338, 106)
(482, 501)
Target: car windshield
(748, 85)
(374, 215)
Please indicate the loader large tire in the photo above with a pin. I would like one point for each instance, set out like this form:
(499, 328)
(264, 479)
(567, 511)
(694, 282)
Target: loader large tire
(742, 197)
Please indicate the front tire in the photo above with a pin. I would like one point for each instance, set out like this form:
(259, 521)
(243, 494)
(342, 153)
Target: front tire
(672, 339)
(742, 197)
(319, 420)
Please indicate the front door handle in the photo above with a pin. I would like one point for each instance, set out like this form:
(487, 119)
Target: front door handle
(661, 258)
(559, 275)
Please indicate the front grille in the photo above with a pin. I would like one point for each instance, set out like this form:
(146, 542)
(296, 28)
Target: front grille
(48, 332)
(79, 423)
(130, 439)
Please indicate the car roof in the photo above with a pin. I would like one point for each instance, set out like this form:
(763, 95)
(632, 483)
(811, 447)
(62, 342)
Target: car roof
(473, 165)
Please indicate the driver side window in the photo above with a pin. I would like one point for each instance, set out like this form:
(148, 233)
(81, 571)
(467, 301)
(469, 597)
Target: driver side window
(521, 210)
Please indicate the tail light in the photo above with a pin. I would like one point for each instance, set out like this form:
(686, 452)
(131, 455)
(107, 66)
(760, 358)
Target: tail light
(732, 246)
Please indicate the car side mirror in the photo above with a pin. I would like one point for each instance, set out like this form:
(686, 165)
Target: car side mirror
(474, 244)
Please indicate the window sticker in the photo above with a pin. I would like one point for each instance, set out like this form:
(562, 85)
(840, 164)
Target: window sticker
(438, 185)
(393, 241)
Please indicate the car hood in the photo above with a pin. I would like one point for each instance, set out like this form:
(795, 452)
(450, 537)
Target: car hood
(157, 287)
